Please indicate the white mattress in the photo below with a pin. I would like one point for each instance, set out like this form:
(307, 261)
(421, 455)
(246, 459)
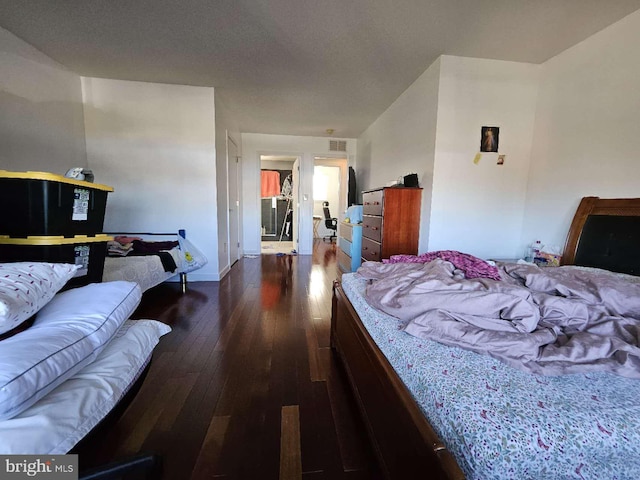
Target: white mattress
(63, 417)
(147, 270)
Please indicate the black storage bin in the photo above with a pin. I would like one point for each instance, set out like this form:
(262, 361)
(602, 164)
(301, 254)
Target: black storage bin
(44, 204)
(89, 252)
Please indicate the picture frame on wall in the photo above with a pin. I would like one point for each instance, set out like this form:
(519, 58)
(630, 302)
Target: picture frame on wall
(489, 139)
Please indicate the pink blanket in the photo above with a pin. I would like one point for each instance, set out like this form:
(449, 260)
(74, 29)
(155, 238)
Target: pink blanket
(473, 267)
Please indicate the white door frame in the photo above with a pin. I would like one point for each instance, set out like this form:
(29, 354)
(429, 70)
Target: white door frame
(300, 159)
(233, 208)
(342, 162)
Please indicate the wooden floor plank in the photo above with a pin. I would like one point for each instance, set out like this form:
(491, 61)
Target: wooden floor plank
(316, 373)
(290, 457)
(211, 447)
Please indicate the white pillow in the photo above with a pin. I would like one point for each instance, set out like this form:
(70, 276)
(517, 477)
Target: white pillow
(55, 423)
(26, 287)
(68, 334)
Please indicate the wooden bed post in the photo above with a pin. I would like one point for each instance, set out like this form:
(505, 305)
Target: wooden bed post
(573, 237)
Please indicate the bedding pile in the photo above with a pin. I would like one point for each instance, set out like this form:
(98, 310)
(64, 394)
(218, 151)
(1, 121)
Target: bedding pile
(123, 246)
(71, 363)
(548, 321)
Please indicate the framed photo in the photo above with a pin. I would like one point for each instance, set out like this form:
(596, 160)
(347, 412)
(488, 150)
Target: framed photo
(489, 139)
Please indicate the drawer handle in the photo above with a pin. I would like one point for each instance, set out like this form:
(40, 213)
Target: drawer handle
(365, 248)
(376, 203)
(367, 203)
(374, 228)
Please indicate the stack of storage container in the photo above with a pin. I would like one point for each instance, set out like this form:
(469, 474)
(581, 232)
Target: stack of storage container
(51, 218)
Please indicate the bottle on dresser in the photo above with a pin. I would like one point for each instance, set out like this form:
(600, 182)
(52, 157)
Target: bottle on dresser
(533, 250)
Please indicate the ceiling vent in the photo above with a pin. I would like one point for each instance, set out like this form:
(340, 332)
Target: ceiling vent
(337, 145)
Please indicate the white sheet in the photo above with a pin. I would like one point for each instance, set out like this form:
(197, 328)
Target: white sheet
(147, 271)
(58, 421)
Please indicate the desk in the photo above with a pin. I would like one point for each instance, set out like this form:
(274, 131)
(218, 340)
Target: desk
(316, 221)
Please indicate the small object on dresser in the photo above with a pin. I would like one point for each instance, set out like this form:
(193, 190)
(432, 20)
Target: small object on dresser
(532, 250)
(544, 259)
(411, 180)
(548, 256)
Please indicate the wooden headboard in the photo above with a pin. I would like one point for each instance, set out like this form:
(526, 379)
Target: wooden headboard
(605, 233)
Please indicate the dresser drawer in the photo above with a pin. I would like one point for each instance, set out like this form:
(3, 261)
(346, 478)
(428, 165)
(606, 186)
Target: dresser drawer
(370, 250)
(372, 203)
(344, 261)
(346, 231)
(344, 245)
(372, 227)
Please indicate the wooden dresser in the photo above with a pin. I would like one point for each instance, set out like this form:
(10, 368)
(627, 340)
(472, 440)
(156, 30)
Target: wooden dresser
(349, 246)
(391, 222)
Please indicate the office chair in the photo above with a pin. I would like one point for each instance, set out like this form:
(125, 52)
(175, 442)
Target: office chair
(330, 222)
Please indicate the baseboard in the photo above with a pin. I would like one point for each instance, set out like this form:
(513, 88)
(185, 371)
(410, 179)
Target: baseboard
(224, 271)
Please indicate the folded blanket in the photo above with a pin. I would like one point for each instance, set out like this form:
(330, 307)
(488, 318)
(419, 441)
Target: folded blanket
(140, 246)
(124, 240)
(117, 249)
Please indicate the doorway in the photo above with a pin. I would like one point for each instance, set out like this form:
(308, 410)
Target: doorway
(278, 229)
(330, 188)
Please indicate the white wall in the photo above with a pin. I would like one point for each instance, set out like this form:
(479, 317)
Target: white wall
(254, 145)
(41, 124)
(276, 165)
(155, 144)
(401, 141)
(478, 208)
(587, 131)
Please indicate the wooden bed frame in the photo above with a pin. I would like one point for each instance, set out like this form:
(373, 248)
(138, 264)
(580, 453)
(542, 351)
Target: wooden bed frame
(405, 443)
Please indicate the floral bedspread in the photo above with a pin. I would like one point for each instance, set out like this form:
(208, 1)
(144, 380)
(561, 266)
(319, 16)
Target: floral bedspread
(503, 423)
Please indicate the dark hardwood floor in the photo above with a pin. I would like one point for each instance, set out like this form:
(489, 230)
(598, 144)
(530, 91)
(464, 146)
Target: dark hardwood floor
(246, 385)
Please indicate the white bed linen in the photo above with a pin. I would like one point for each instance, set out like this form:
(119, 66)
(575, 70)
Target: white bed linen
(146, 270)
(26, 287)
(63, 417)
(67, 334)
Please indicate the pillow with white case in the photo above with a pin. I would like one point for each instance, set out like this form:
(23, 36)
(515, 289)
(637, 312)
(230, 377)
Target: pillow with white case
(26, 287)
(67, 334)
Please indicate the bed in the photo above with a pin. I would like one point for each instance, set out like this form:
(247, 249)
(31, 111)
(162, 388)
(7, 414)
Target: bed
(451, 413)
(146, 270)
(67, 358)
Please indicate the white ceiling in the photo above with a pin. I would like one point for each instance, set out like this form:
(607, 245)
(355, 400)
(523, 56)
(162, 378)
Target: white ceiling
(299, 66)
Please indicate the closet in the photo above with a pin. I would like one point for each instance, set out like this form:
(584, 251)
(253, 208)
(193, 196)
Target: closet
(276, 205)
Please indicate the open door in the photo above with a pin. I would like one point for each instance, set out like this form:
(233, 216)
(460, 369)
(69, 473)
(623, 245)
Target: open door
(295, 173)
